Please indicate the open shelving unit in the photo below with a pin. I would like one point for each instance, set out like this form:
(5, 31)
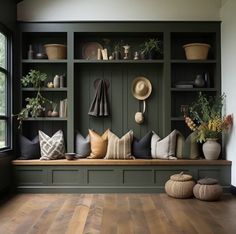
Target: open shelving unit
(163, 107)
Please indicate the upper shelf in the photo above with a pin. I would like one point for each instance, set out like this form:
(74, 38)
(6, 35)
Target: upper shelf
(148, 61)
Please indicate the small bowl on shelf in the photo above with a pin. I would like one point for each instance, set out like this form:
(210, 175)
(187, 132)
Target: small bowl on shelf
(70, 156)
(41, 56)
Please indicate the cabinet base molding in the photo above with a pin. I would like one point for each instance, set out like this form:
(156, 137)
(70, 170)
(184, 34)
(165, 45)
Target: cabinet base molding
(112, 178)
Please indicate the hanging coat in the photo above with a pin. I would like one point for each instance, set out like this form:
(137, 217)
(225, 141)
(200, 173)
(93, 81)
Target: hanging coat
(100, 105)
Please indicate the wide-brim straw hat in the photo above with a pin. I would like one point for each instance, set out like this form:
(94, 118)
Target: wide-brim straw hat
(141, 88)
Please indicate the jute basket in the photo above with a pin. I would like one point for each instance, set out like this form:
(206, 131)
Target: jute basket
(198, 51)
(180, 186)
(56, 51)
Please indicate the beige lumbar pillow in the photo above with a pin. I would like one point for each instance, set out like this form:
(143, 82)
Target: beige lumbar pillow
(119, 148)
(98, 144)
(51, 147)
(165, 148)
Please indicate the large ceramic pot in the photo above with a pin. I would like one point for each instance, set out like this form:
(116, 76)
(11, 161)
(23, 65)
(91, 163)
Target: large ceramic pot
(211, 149)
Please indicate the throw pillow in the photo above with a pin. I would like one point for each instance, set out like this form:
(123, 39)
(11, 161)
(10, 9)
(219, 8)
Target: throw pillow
(142, 148)
(165, 148)
(51, 147)
(29, 149)
(119, 148)
(82, 146)
(187, 148)
(98, 144)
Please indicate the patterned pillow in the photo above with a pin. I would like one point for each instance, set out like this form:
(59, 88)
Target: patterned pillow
(98, 144)
(119, 148)
(187, 148)
(29, 149)
(142, 148)
(51, 147)
(165, 148)
(82, 146)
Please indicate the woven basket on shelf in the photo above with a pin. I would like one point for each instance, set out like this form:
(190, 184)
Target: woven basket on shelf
(56, 51)
(198, 51)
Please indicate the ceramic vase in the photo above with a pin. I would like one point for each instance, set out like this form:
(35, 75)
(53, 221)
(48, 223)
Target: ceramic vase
(211, 149)
(56, 81)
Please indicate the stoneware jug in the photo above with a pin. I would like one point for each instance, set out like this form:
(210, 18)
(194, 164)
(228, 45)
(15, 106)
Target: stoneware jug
(211, 149)
(199, 81)
(56, 81)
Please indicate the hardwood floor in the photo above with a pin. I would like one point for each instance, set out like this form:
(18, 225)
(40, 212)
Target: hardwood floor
(116, 213)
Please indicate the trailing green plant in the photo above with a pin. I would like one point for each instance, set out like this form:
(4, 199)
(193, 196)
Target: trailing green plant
(35, 107)
(34, 78)
(152, 45)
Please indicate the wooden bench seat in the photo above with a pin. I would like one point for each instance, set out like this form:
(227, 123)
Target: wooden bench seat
(100, 175)
(121, 162)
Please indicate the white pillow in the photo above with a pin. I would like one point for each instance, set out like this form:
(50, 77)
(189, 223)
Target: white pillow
(165, 148)
(51, 147)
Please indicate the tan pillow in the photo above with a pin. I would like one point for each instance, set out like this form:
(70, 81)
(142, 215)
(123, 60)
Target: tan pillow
(98, 144)
(165, 148)
(119, 148)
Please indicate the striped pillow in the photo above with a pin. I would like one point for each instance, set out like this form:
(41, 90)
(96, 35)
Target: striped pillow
(165, 148)
(187, 148)
(119, 148)
(51, 147)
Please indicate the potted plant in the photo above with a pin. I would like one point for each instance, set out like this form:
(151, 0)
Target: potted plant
(207, 120)
(35, 106)
(34, 78)
(151, 48)
(117, 50)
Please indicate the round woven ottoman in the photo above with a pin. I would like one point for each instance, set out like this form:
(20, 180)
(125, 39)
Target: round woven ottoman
(180, 186)
(207, 189)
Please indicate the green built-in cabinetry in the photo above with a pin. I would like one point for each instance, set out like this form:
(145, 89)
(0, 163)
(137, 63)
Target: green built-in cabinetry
(163, 106)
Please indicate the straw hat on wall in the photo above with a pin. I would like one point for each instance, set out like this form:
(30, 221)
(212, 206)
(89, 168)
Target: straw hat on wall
(141, 88)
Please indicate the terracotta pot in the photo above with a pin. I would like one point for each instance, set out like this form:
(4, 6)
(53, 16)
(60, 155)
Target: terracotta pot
(211, 149)
(197, 51)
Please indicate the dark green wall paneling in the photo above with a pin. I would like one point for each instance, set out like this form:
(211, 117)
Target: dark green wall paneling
(163, 106)
(122, 103)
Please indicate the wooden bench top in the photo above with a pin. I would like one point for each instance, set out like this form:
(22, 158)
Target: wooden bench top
(105, 162)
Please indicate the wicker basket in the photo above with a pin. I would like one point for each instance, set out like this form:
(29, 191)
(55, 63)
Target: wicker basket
(196, 51)
(56, 51)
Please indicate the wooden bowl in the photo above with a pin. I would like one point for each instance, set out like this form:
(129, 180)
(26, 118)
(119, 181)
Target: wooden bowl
(70, 156)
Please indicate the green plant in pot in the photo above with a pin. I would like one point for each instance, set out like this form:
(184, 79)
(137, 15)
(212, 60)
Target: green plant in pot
(151, 48)
(207, 121)
(117, 50)
(34, 78)
(35, 106)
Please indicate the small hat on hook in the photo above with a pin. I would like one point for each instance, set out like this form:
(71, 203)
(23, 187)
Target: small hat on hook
(141, 88)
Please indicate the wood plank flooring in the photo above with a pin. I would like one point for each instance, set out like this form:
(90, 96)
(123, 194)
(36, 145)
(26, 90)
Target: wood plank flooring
(115, 213)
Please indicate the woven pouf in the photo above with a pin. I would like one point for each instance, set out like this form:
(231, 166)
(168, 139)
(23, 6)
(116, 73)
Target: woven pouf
(207, 189)
(180, 186)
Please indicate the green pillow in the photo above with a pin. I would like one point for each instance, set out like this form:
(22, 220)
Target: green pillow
(187, 148)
